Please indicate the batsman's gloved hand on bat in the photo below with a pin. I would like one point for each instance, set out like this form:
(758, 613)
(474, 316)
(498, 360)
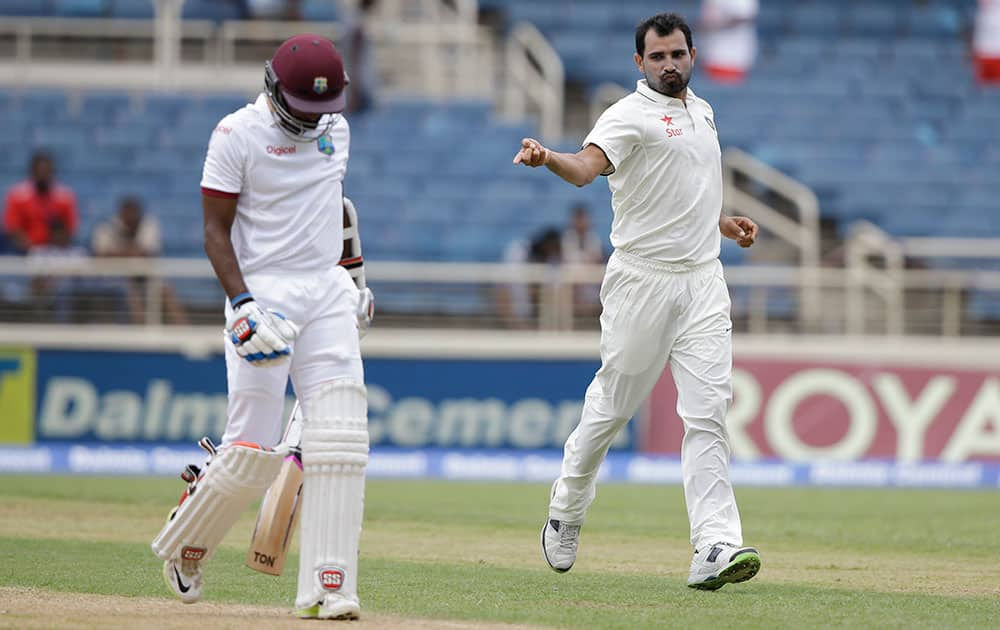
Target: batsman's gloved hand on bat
(365, 311)
(262, 337)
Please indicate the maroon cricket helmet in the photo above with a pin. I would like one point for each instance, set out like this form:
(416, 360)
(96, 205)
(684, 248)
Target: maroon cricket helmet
(310, 74)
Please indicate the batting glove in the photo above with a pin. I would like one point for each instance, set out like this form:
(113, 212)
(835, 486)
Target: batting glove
(262, 337)
(366, 310)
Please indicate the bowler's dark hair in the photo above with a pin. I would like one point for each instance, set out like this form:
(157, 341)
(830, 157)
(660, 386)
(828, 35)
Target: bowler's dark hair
(665, 24)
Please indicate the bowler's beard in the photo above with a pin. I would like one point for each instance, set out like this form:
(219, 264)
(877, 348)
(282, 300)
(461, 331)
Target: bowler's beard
(673, 88)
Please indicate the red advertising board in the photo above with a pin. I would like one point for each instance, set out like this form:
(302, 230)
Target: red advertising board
(802, 410)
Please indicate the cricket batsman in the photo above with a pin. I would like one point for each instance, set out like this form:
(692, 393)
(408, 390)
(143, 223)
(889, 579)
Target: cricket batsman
(274, 220)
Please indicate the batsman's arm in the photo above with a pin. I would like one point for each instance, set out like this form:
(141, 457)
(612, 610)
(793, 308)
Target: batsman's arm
(578, 168)
(219, 213)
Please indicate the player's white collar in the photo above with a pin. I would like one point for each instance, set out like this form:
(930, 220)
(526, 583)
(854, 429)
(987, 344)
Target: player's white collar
(263, 109)
(642, 87)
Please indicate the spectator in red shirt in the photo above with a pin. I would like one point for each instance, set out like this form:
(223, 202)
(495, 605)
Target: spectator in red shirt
(37, 203)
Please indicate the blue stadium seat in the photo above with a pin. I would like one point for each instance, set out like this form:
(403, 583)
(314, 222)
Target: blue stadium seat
(60, 137)
(824, 20)
(27, 8)
(319, 10)
(984, 305)
(81, 8)
(164, 107)
(878, 20)
(104, 107)
(932, 20)
(544, 15)
(838, 98)
(43, 104)
(16, 125)
(217, 10)
(134, 9)
(216, 106)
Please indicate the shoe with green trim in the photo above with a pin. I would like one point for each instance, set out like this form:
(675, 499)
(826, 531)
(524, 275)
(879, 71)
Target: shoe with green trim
(714, 566)
(312, 612)
(333, 606)
(336, 606)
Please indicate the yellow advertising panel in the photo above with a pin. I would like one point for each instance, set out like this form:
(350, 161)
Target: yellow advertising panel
(17, 396)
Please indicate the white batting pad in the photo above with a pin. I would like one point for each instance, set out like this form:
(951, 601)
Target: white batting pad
(334, 456)
(233, 478)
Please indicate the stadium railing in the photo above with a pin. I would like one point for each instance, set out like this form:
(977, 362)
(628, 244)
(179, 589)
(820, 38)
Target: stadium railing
(893, 276)
(535, 74)
(864, 297)
(440, 53)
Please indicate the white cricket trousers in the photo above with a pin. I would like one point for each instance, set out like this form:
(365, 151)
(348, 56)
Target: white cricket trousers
(654, 313)
(323, 305)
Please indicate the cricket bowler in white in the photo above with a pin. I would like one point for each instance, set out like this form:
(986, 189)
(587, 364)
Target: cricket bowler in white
(664, 299)
(274, 217)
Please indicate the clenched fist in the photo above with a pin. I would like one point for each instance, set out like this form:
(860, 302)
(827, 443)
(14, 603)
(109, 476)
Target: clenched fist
(740, 229)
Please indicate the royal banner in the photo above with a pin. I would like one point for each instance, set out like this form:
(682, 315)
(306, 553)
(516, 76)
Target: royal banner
(806, 411)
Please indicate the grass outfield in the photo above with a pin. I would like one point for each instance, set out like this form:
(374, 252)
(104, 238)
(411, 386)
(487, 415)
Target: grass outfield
(449, 555)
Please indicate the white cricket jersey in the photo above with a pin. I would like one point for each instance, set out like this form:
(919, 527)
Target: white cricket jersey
(665, 175)
(289, 213)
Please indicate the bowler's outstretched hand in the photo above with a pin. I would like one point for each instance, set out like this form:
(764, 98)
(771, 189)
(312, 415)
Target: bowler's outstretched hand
(532, 153)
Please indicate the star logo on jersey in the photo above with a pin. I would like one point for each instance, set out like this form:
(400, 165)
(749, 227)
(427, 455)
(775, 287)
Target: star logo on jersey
(667, 119)
(325, 145)
(320, 85)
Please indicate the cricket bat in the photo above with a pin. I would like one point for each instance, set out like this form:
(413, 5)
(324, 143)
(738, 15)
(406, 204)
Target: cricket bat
(276, 520)
(279, 510)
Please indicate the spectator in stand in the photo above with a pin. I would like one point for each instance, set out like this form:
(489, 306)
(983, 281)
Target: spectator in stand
(358, 58)
(70, 299)
(519, 302)
(134, 234)
(729, 42)
(581, 245)
(35, 205)
(986, 41)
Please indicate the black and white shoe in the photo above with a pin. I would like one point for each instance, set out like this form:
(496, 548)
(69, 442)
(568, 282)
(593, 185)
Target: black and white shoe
(183, 575)
(184, 579)
(559, 543)
(714, 566)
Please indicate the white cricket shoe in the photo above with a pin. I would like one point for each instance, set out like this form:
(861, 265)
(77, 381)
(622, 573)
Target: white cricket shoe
(714, 566)
(335, 607)
(183, 577)
(559, 543)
